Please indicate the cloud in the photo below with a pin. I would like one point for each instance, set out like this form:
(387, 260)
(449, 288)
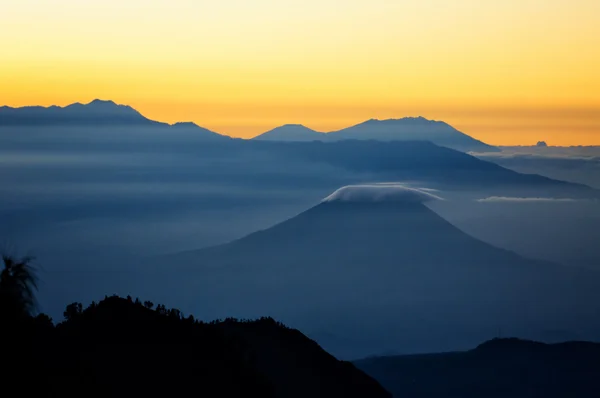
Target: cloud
(493, 199)
(574, 164)
(587, 153)
(386, 192)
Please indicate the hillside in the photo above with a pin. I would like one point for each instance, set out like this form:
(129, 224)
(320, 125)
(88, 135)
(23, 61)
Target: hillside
(119, 347)
(500, 368)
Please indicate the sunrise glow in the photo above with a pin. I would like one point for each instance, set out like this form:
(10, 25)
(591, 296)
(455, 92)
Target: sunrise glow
(506, 72)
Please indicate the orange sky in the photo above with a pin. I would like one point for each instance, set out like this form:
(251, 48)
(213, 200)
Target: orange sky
(510, 72)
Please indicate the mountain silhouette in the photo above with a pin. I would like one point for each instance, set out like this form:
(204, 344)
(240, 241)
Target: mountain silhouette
(405, 129)
(195, 130)
(106, 126)
(497, 368)
(291, 132)
(122, 348)
(97, 112)
(418, 161)
(384, 275)
(411, 129)
(94, 115)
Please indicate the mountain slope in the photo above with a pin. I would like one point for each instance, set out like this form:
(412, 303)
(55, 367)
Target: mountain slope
(296, 366)
(411, 129)
(120, 348)
(501, 368)
(290, 132)
(367, 277)
(424, 162)
(195, 131)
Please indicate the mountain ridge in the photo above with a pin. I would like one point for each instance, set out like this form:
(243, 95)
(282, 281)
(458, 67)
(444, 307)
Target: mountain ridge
(108, 113)
(95, 114)
(400, 129)
(412, 128)
(97, 111)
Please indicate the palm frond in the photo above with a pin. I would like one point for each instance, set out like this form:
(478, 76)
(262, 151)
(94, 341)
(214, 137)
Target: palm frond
(18, 284)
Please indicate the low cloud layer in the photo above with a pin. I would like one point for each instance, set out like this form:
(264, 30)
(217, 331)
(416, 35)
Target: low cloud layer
(574, 164)
(492, 199)
(589, 153)
(387, 192)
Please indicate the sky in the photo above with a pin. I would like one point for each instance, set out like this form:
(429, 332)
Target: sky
(507, 72)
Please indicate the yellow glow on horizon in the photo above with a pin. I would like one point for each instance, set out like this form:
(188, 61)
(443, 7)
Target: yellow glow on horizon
(510, 72)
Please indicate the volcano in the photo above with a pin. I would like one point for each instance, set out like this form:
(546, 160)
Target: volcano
(373, 270)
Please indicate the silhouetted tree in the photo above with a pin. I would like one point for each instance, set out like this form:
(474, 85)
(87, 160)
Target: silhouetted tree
(43, 323)
(148, 304)
(18, 283)
(174, 313)
(72, 311)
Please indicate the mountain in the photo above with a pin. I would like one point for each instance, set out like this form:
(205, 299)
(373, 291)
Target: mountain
(197, 131)
(290, 132)
(98, 114)
(297, 366)
(122, 348)
(411, 129)
(373, 269)
(405, 129)
(500, 368)
(420, 161)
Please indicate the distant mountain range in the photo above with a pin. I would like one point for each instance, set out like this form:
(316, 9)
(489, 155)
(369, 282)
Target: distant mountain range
(502, 368)
(103, 126)
(96, 114)
(100, 113)
(365, 272)
(417, 161)
(405, 129)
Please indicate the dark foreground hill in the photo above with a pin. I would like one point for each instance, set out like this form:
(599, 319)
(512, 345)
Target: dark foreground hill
(501, 368)
(122, 348)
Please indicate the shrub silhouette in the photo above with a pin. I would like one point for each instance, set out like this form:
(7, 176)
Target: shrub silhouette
(73, 310)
